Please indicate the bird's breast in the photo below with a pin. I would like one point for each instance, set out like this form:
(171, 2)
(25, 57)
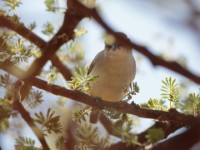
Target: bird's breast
(113, 76)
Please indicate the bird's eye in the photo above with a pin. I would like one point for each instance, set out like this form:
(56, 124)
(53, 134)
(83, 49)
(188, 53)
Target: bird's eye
(115, 46)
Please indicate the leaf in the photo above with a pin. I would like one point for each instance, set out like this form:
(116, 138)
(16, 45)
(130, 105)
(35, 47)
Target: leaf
(133, 90)
(80, 31)
(154, 135)
(88, 138)
(5, 80)
(32, 26)
(24, 143)
(34, 99)
(81, 80)
(50, 122)
(80, 114)
(156, 104)
(169, 91)
(191, 104)
(50, 4)
(12, 3)
(48, 29)
(60, 143)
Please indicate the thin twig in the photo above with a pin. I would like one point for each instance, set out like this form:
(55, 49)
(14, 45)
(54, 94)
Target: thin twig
(26, 116)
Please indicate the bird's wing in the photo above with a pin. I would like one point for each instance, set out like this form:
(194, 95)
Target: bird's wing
(96, 59)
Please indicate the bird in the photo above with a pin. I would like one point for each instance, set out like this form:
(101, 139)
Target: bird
(115, 68)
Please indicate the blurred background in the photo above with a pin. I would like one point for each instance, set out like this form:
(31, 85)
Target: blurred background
(167, 28)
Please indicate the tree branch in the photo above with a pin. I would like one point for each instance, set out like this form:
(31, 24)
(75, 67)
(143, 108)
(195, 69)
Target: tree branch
(182, 141)
(123, 107)
(26, 116)
(167, 127)
(33, 38)
(17, 96)
(155, 60)
(65, 33)
(122, 146)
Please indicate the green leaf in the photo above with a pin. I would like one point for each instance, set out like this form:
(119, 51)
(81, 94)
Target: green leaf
(156, 104)
(60, 143)
(48, 29)
(32, 26)
(50, 4)
(12, 3)
(34, 99)
(133, 90)
(88, 137)
(191, 105)
(80, 31)
(50, 122)
(81, 80)
(154, 135)
(81, 114)
(169, 91)
(24, 143)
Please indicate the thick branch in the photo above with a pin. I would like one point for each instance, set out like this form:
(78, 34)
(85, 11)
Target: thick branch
(122, 146)
(173, 115)
(167, 127)
(155, 60)
(182, 141)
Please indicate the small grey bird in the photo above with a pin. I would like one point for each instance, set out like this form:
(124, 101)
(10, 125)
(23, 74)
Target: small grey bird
(116, 68)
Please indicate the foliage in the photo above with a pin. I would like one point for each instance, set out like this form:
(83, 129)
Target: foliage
(48, 29)
(32, 26)
(61, 101)
(74, 55)
(154, 135)
(81, 114)
(5, 112)
(16, 51)
(6, 101)
(15, 48)
(191, 105)
(87, 134)
(80, 31)
(133, 90)
(123, 127)
(24, 143)
(49, 123)
(81, 80)
(123, 124)
(34, 99)
(112, 113)
(170, 91)
(51, 5)
(88, 138)
(11, 5)
(157, 104)
(60, 143)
